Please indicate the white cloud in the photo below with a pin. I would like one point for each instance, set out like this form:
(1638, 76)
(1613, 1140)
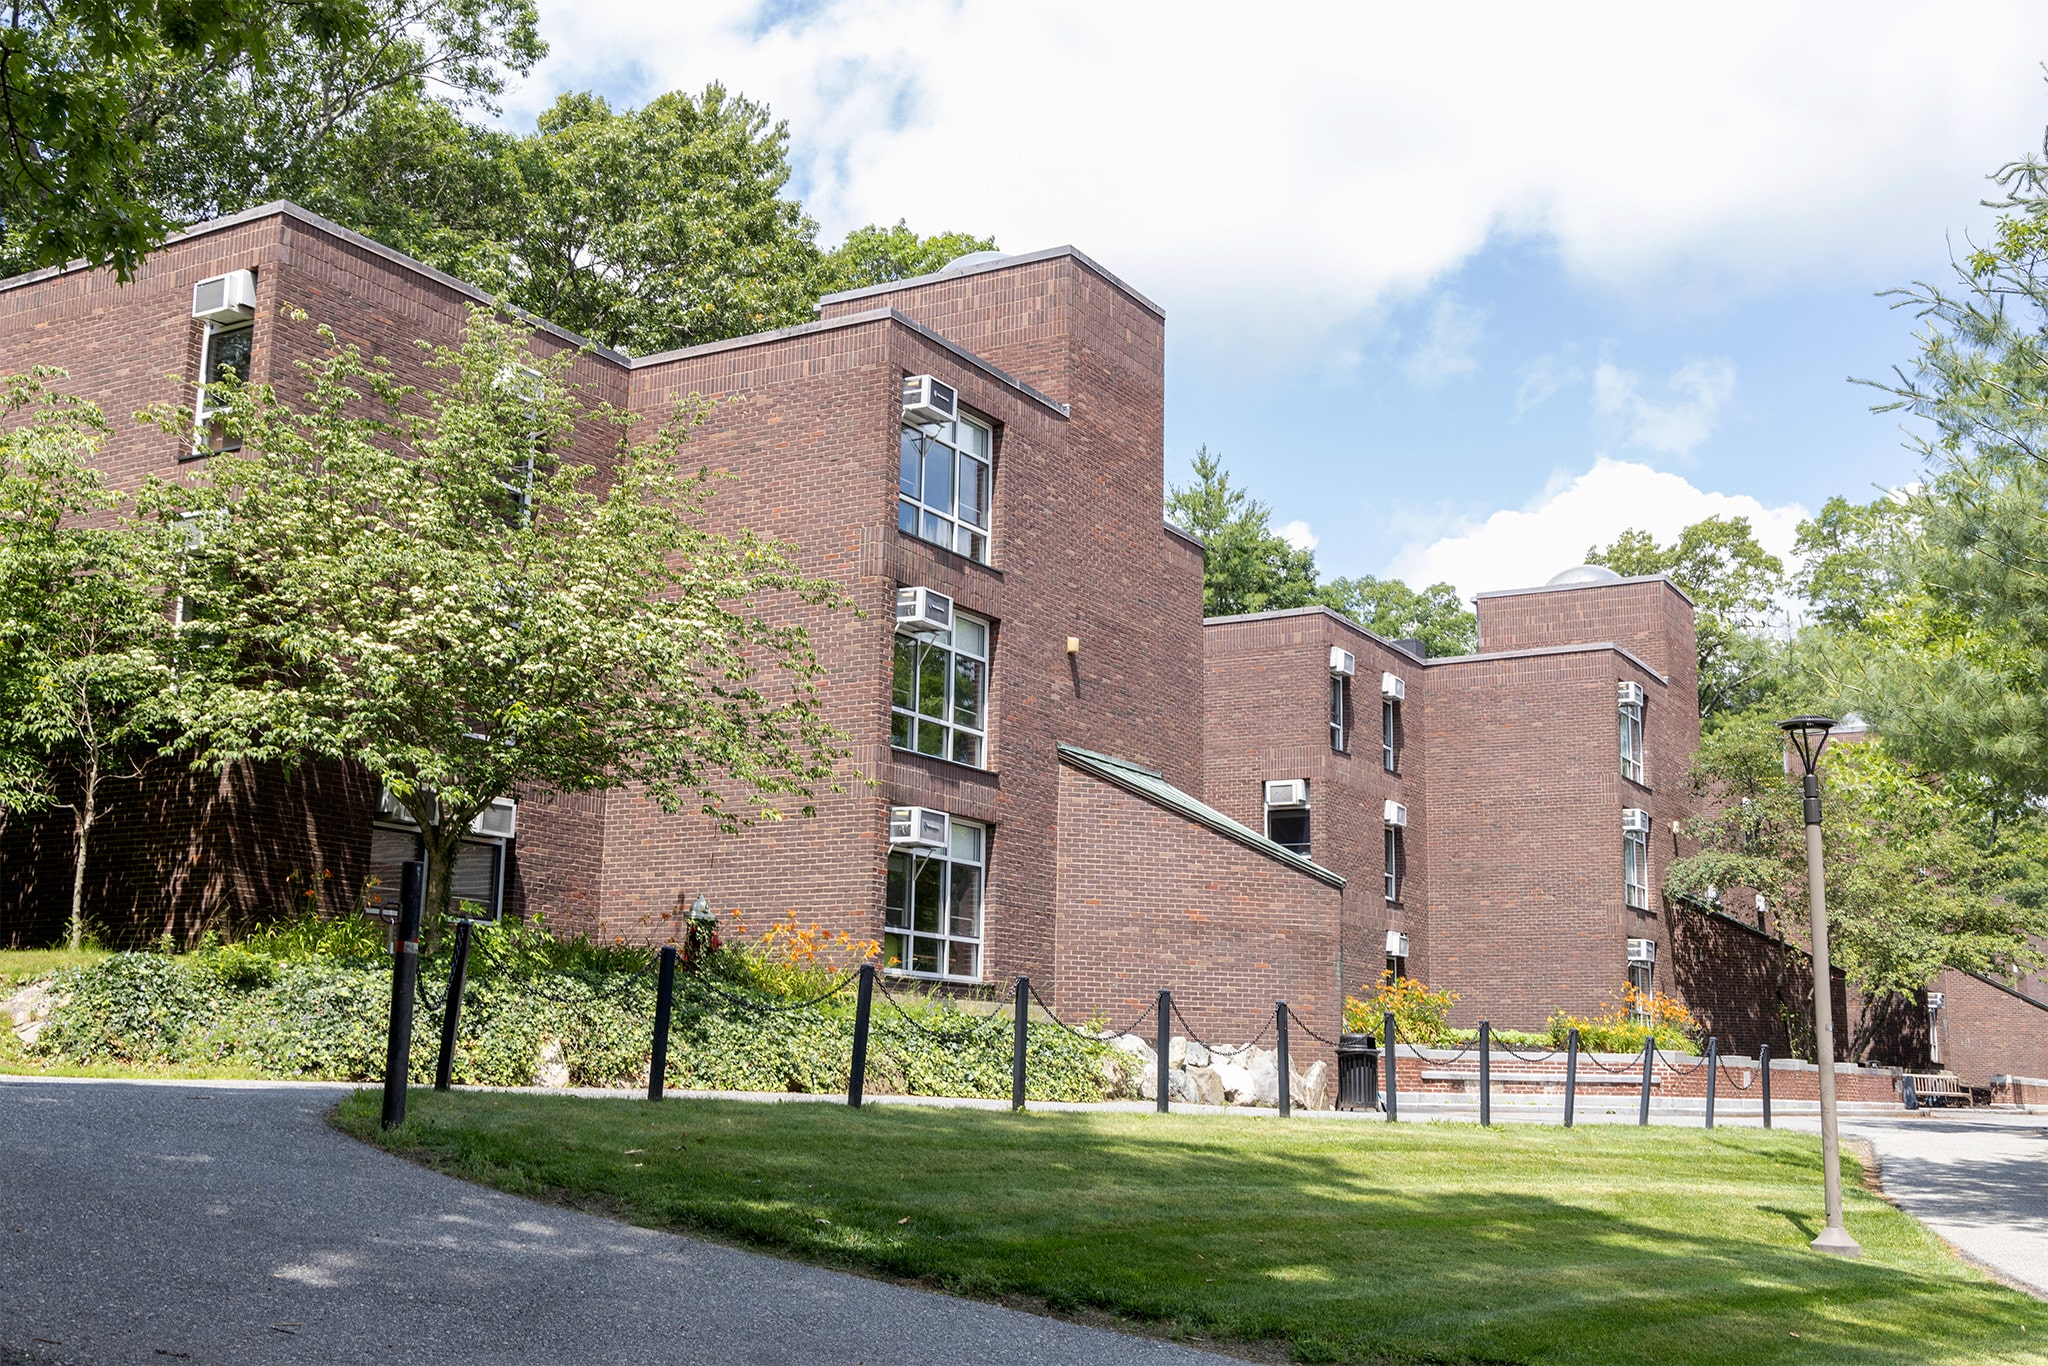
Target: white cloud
(1542, 380)
(1680, 415)
(1384, 146)
(1447, 348)
(1298, 535)
(1520, 548)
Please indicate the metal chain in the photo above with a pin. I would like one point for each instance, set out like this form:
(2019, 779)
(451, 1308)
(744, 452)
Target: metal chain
(760, 1008)
(1295, 1021)
(1089, 1035)
(599, 994)
(433, 1006)
(1677, 1071)
(951, 1038)
(1238, 1051)
(1524, 1057)
(1748, 1076)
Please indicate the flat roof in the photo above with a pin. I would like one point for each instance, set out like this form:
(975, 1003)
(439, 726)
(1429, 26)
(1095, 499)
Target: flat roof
(997, 263)
(1664, 579)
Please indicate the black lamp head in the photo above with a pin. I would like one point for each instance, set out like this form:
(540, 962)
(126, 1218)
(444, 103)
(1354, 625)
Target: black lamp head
(1808, 735)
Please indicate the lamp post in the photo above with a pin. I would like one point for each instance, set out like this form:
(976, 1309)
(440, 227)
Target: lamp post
(1808, 735)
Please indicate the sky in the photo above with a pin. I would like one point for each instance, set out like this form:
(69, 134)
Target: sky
(1459, 291)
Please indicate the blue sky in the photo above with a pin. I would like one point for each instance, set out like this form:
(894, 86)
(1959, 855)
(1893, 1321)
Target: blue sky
(1456, 292)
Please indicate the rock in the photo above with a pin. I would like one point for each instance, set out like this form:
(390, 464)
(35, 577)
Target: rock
(1198, 1055)
(1262, 1069)
(1238, 1083)
(28, 1010)
(1115, 1071)
(1180, 1086)
(1148, 1084)
(1136, 1047)
(552, 1067)
(1177, 1052)
(1312, 1088)
(1207, 1084)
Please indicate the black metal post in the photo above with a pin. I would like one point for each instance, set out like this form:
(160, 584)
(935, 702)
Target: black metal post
(857, 1076)
(664, 1002)
(1571, 1073)
(1019, 1039)
(1165, 1046)
(1713, 1065)
(1763, 1062)
(1649, 1062)
(1485, 1072)
(1286, 1068)
(1393, 1066)
(405, 977)
(451, 1010)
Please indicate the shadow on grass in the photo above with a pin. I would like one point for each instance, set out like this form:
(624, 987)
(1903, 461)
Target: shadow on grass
(1425, 1242)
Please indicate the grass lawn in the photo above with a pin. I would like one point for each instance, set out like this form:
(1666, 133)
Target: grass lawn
(18, 965)
(1341, 1242)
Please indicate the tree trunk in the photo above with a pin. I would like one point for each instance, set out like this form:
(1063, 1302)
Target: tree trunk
(81, 824)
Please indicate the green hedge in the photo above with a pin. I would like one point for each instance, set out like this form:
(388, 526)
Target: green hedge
(322, 1014)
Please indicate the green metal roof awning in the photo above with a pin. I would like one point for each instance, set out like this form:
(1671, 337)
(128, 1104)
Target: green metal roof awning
(1150, 785)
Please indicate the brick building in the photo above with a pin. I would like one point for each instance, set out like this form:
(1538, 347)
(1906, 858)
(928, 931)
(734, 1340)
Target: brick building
(1057, 768)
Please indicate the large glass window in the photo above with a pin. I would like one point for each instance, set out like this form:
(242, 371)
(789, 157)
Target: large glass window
(1632, 732)
(225, 352)
(1340, 707)
(1635, 866)
(939, 702)
(1390, 735)
(943, 486)
(1394, 863)
(933, 915)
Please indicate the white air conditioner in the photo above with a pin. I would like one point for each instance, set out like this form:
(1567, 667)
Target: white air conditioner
(1287, 792)
(927, 400)
(923, 612)
(499, 820)
(1634, 821)
(389, 809)
(1642, 950)
(1343, 664)
(1395, 814)
(1397, 944)
(1392, 688)
(918, 827)
(1934, 1000)
(1631, 694)
(229, 298)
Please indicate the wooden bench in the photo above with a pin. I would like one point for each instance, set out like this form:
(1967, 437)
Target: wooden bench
(1939, 1086)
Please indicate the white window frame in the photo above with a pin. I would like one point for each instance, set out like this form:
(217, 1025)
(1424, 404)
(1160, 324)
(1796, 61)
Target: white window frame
(1309, 826)
(1635, 869)
(1643, 977)
(1340, 712)
(1632, 764)
(971, 444)
(907, 724)
(202, 411)
(1390, 721)
(1396, 852)
(948, 936)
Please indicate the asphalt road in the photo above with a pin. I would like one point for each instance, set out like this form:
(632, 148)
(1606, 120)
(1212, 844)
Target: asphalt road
(154, 1223)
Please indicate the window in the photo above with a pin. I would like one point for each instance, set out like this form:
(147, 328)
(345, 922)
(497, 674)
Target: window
(1390, 735)
(933, 915)
(1287, 814)
(1340, 707)
(943, 480)
(939, 704)
(1397, 955)
(225, 352)
(1635, 859)
(1394, 852)
(478, 886)
(1642, 975)
(1632, 732)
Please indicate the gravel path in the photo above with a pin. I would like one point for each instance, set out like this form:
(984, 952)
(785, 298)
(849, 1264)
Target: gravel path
(150, 1223)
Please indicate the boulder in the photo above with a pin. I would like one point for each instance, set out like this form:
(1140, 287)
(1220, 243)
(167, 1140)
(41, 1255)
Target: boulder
(1312, 1088)
(1115, 1070)
(1136, 1047)
(1148, 1084)
(28, 1010)
(1238, 1082)
(1181, 1087)
(1177, 1052)
(1198, 1054)
(551, 1068)
(1207, 1084)
(1262, 1069)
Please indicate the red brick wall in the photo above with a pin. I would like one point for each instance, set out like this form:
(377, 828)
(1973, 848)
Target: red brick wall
(1986, 1031)
(1148, 901)
(1269, 718)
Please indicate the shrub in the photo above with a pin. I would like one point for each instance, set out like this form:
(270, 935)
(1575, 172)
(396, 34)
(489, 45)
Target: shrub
(1627, 1027)
(1421, 1014)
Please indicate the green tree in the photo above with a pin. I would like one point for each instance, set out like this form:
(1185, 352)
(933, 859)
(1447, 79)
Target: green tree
(1732, 581)
(86, 676)
(420, 583)
(876, 255)
(1852, 560)
(1436, 615)
(1921, 876)
(1249, 566)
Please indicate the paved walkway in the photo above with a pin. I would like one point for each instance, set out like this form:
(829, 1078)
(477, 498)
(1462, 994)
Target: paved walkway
(150, 1223)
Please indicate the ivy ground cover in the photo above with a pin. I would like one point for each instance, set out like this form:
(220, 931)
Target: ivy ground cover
(1316, 1240)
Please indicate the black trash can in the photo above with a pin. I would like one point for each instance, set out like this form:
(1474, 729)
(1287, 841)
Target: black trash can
(1358, 1072)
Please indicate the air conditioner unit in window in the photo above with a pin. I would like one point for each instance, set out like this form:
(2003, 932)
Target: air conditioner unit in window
(499, 820)
(1395, 814)
(1934, 1000)
(1397, 944)
(1287, 792)
(1642, 950)
(1635, 822)
(927, 400)
(923, 612)
(918, 827)
(389, 809)
(1631, 694)
(1392, 688)
(1343, 664)
(229, 298)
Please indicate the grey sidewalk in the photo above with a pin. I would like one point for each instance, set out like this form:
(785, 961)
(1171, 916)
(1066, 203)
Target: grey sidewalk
(140, 1223)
